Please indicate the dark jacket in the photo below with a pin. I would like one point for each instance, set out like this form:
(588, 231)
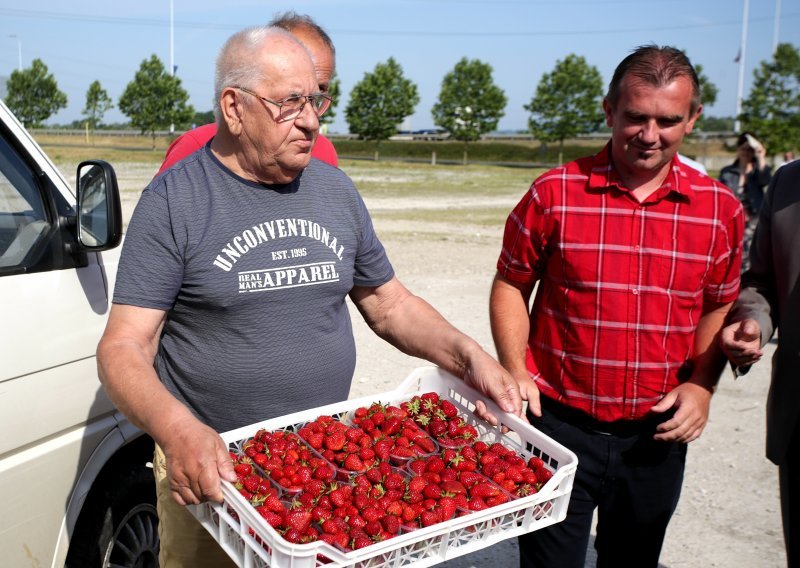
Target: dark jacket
(771, 295)
(752, 194)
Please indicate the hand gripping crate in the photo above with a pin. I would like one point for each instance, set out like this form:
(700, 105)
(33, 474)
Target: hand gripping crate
(252, 543)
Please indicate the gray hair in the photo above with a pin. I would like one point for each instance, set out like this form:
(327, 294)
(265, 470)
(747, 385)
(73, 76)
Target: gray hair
(237, 64)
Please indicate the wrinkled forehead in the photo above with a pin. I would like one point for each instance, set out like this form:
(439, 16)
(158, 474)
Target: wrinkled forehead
(286, 63)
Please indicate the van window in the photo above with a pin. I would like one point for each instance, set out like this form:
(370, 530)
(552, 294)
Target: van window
(23, 221)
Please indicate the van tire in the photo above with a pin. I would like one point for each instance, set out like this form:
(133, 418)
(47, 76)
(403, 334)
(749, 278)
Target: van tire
(119, 527)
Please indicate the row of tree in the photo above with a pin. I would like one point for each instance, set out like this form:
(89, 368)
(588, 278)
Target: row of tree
(566, 102)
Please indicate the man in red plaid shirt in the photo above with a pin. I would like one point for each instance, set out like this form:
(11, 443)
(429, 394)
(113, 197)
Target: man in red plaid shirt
(637, 261)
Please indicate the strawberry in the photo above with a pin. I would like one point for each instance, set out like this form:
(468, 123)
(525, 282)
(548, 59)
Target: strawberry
(448, 409)
(453, 487)
(544, 475)
(447, 507)
(354, 463)
(485, 489)
(243, 469)
(391, 524)
(298, 519)
(535, 463)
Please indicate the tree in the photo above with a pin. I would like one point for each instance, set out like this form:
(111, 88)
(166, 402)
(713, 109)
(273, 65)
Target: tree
(205, 117)
(155, 99)
(335, 91)
(380, 102)
(470, 104)
(33, 94)
(97, 103)
(567, 102)
(772, 109)
(708, 94)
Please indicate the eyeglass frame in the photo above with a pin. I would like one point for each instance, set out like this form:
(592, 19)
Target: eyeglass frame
(280, 103)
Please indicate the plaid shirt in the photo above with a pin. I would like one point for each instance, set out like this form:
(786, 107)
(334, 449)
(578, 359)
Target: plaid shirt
(621, 283)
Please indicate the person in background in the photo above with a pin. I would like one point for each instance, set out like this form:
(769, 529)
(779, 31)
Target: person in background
(230, 300)
(788, 157)
(637, 260)
(770, 299)
(322, 51)
(747, 177)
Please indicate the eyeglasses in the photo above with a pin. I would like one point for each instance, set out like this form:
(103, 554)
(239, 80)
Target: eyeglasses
(291, 107)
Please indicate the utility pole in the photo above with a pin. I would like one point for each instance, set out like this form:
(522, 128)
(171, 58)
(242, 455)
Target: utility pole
(740, 91)
(171, 49)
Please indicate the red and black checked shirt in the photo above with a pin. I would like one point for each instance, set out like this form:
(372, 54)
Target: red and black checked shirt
(621, 284)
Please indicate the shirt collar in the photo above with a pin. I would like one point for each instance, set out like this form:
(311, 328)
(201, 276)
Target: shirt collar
(604, 176)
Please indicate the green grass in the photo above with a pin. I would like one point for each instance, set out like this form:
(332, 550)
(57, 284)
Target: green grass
(398, 179)
(483, 217)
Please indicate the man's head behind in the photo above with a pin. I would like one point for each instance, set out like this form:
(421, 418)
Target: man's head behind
(655, 66)
(303, 26)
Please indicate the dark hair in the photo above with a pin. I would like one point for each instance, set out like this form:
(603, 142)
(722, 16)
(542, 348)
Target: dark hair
(656, 66)
(291, 21)
(743, 138)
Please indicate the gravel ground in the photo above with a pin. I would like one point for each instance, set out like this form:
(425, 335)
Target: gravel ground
(729, 511)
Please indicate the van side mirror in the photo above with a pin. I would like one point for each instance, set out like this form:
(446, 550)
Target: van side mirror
(99, 209)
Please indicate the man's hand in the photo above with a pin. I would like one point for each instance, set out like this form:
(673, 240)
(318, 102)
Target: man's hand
(691, 403)
(741, 342)
(196, 460)
(486, 375)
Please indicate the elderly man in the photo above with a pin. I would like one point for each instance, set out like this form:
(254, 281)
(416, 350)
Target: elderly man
(229, 305)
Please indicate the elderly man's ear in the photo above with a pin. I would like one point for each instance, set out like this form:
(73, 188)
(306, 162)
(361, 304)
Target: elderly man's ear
(232, 109)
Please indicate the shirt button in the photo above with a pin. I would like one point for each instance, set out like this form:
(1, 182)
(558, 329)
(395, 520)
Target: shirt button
(635, 291)
(636, 248)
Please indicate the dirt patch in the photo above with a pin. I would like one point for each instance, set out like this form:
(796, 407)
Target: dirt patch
(729, 511)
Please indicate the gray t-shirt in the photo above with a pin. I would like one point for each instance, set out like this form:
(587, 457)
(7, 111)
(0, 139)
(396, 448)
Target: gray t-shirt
(254, 280)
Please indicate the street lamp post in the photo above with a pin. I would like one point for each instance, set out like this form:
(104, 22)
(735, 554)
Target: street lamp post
(19, 50)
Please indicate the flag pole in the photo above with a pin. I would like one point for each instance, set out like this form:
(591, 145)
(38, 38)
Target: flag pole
(739, 93)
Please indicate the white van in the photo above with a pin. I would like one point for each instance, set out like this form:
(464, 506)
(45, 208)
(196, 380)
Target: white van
(75, 486)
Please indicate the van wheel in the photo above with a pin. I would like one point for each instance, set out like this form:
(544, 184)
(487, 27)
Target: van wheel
(135, 541)
(119, 527)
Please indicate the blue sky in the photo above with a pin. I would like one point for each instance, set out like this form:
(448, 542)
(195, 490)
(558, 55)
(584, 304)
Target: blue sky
(84, 40)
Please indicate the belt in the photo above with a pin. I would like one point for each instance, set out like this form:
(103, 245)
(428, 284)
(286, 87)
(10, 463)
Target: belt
(579, 419)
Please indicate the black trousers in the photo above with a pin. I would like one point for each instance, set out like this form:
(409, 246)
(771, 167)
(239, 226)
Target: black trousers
(789, 476)
(632, 480)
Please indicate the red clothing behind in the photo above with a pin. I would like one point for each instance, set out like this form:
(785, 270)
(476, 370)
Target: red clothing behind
(622, 283)
(192, 140)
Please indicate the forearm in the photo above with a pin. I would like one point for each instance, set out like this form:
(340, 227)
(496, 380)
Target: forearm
(510, 323)
(128, 376)
(709, 359)
(416, 328)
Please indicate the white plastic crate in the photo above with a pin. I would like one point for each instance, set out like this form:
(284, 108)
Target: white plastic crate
(253, 543)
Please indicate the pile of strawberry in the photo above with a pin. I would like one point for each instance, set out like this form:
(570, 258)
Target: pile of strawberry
(510, 470)
(396, 436)
(339, 484)
(286, 460)
(348, 448)
(440, 418)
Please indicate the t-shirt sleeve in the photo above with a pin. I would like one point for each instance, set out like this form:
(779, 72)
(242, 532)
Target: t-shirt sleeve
(372, 266)
(151, 263)
(187, 144)
(723, 284)
(525, 240)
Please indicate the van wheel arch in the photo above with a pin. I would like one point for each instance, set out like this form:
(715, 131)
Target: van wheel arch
(118, 525)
